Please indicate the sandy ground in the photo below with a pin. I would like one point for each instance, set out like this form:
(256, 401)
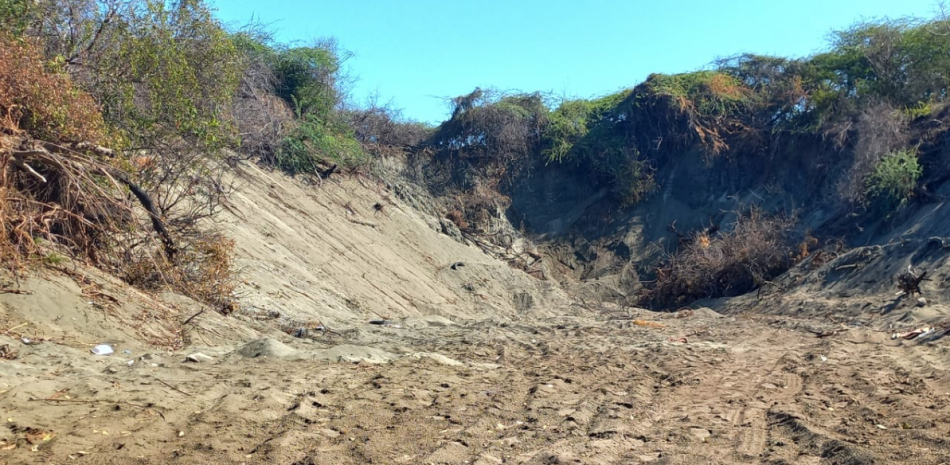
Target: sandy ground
(480, 365)
(598, 389)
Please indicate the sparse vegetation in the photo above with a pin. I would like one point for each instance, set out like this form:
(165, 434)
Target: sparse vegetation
(381, 129)
(289, 105)
(571, 122)
(838, 121)
(457, 217)
(880, 130)
(145, 95)
(203, 270)
(118, 80)
(859, 94)
(755, 250)
(48, 190)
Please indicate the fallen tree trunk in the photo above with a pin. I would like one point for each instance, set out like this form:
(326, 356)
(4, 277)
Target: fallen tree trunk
(158, 224)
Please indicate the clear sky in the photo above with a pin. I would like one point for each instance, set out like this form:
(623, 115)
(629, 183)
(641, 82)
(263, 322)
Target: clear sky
(415, 51)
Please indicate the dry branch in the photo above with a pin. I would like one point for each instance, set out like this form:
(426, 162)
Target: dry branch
(909, 280)
(66, 192)
(157, 222)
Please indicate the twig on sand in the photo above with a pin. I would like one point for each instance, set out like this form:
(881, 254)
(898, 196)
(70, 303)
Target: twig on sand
(829, 333)
(15, 327)
(15, 291)
(173, 387)
(192, 317)
(101, 401)
(363, 223)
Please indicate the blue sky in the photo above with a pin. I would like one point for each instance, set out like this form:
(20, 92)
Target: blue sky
(416, 51)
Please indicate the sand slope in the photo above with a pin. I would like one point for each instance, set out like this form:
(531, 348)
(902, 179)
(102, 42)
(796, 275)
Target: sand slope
(326, 254)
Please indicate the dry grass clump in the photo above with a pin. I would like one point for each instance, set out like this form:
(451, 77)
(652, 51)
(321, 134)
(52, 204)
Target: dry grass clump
(703, 108)
(55, 199)
(203, 269)
(8, 353)
(458, 218)
(382, 131)
(491, 127)
(261, 118)
(727, 264)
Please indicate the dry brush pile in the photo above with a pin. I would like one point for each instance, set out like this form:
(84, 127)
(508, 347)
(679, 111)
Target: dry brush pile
(63, 192)
(48, 190)
(756, 249)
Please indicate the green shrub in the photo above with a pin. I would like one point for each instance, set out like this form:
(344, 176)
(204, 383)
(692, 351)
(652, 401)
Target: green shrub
(619, 138)
(305, 79)
(287, 107)
(705, 92)
(572, 121)
(160, 70)
(314, 145)
(918, 111)
(14, 15)
(631, 133)
(894, 179)
(591, 133)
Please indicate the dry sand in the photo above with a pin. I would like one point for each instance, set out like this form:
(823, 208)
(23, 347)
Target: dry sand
(460, 374)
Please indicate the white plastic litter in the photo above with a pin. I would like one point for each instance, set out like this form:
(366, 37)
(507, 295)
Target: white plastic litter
(103, 349)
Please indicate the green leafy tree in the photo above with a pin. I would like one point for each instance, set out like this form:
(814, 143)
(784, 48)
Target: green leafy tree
(173, 73)
(305, 77)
